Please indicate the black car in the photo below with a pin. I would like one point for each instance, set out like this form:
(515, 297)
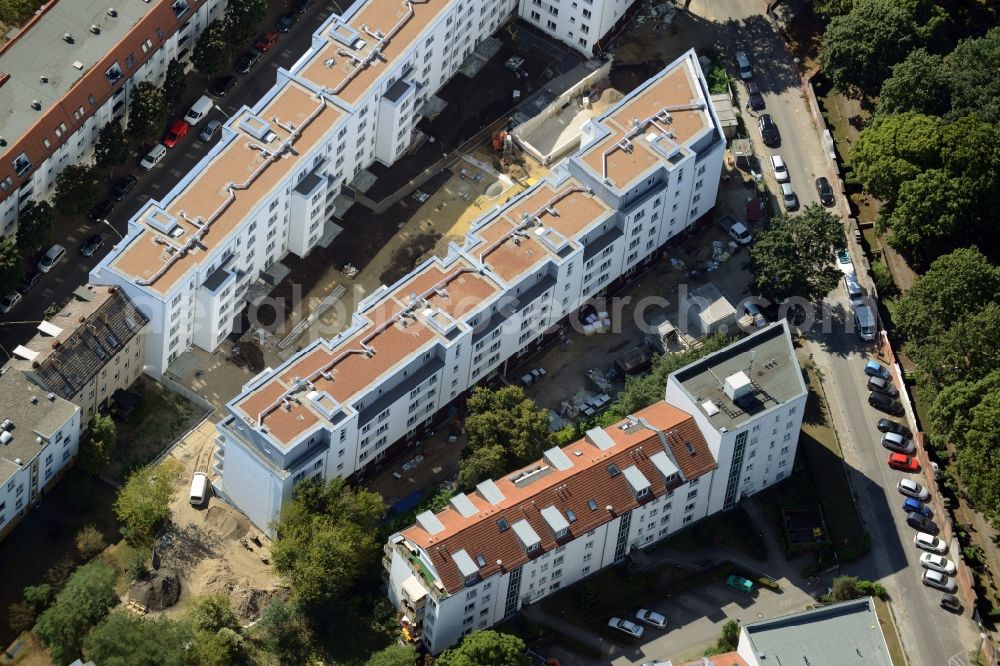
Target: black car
(91, 245)
(922, 523)
(101, 210)
(247, 60)
(286, 22)
(769, 131)
(300, 7)
(123, 187)
(222, 85)
(754, 98)
(882, 402)
(888, 425)
(825, 191)
(950, 602)
(29, 281)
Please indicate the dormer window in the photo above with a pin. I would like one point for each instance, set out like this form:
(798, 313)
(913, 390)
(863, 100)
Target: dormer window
(21, 164)
(533, 548)
(180, 8)
(114, 73)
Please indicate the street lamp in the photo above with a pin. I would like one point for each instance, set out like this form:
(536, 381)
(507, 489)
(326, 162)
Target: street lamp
(105, 221)
(219, 108)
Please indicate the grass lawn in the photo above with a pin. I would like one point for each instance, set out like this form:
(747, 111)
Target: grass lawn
(889, 631)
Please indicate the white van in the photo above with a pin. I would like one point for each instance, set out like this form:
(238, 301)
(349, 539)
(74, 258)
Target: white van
(865, 321)
(153, 157)
(51, 258)
(199, 489)
(199, 110)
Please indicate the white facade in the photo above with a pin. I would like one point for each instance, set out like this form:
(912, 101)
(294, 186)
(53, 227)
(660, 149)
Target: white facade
(521, 269)
(450, 606)
(75, 143)
(579, 23)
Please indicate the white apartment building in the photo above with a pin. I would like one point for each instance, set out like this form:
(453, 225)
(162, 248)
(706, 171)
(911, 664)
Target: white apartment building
(267, 187)
(647, 170)
(581, 24)
(39, 438)
(69, 72)
(585, 506)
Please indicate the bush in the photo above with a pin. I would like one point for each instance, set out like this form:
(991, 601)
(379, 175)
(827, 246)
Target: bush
(883, 278)
(856, 552)
(90, 542)
(869, 589)
(137, 563)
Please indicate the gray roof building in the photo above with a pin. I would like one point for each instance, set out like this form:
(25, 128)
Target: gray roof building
(27, 412)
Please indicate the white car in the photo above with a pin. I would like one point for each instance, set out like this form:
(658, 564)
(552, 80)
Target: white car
(626, 627)
(779, 168)
(912, 489)
(789, 198)
(153, 157)
(743, 64)
(939, 580)
(9, 302)
(938, 563)
(929, 543)
(651, 618)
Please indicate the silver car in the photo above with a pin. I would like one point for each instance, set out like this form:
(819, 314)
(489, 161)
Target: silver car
(626, 627)
(789, 198)
(938, 580)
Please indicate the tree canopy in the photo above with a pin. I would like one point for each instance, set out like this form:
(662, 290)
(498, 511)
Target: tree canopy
(125, 639)
(111, 149)
(11, 266)
(76, 189)
(241, 19)
(486, 647)
(98, 445)
(148, 111)
(934, 213)
(143, 503)
(327, 538)
(394, 655)
(921, 83)
(85, 600)
(211, 51)
(791, 258)
(974, 82)
(175, 84)
(282, 631)
(895, 149)
(34, 226)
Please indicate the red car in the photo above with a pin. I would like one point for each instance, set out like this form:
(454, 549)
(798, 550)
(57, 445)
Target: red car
(903, 462)
(267, 40)
(175, 133)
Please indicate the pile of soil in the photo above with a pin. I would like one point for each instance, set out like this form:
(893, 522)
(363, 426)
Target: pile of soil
(248, 601)
(158, 591)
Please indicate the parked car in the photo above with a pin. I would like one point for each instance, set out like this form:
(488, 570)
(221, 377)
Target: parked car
(651, 618)
(743, 65)
(769, 130)
(210, 129)
(779, 168)
(153, 157)
(301, 6)
(938, 563)
(28, 282)
(929, 543)
(286, 22)
(903, 462)
(266, 41)
(876, 369)
(91, 245)
(247, 61)
(222, 85)
(844, 261)
(950, 602)
(9, 302)
(922, 523)
(884, 403)
(911, 505)
(740, 583)
(888, 425)
(629, 628)
(885, 386)
(754, 99)
(938, 580)
(177, 131)
(912, 489)
(898, 443)
(100, 210)
(855, 293)
(124, 185)
(825, 191)
(789, 198)
(51, 258)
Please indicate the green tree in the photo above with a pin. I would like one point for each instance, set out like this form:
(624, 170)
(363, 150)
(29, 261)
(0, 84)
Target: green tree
(486, 647)
(955, 286)
(975, 87)
(125, 639)
(241, 19)
(860, 47)
(88, 596)
(967, 350)
(11, 266)
(952, 408)
(934, 214)
(211, 51)
(895, 149)
(148, 112)
(212, 613)
(978, 456)
(90, 542)
(221, 648)
(921, 83)
(486, 462)
(111, 149)
(34, 225)
(76, 189)
(327, 538)
(394, 655)
(282, 632)
(143, 503)
(827, 9)
(792, 257)
(38, 596)
(21, 615)
(99, 445)
(175, 84)
(971, 148)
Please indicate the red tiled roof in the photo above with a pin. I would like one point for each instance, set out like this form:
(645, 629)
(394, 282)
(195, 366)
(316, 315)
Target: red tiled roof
(573, 488)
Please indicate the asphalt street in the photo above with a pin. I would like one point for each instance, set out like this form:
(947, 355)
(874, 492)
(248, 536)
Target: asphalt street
(73, 271)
